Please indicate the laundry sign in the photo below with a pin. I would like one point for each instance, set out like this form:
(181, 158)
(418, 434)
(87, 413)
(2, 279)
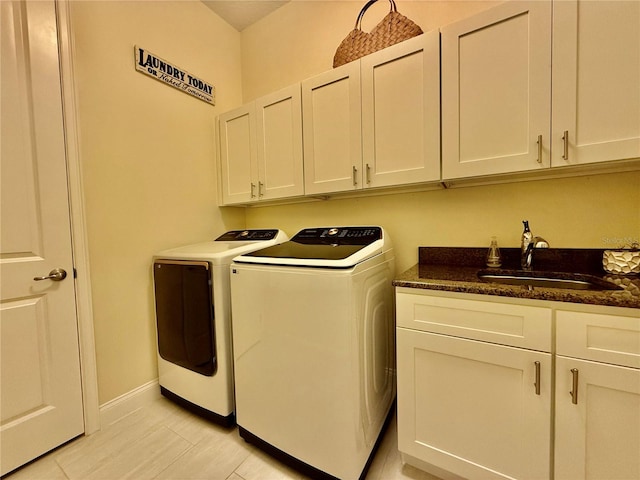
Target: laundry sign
(154, 66)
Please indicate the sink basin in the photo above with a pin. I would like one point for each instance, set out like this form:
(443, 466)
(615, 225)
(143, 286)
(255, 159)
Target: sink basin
(573, 281)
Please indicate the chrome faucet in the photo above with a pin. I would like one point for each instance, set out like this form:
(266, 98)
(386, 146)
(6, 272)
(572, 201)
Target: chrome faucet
(529, 243)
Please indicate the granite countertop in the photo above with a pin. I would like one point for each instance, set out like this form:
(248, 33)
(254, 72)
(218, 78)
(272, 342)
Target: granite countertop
(455, 269)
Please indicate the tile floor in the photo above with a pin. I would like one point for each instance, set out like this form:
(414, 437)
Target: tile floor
(164, 441)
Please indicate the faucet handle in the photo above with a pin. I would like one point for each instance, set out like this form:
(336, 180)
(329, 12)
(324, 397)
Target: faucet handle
(539, 242)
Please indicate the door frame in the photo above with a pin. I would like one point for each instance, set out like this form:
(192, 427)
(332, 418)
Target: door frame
(79, 239)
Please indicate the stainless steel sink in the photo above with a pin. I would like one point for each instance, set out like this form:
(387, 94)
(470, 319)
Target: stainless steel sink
(547, 280)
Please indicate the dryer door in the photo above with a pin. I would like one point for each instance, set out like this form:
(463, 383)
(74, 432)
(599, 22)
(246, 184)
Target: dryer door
(185, 314)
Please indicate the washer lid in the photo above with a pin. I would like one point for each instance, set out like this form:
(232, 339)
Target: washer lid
(226, 246)
(329, 247)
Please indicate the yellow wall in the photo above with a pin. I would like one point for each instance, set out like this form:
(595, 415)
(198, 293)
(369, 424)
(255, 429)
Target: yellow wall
(584, 212)
(147, 153)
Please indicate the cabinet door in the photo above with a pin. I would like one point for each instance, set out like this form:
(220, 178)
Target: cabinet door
(331, 105)
(471, 408)
(596, 73)
(279, 145)
(401, 113)
(238, 158)
(599, 436)
(496, 91)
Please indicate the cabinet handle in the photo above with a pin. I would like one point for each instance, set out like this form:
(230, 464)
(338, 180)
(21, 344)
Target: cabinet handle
(539, 142)
(574, 386)
(565, 141)
(253, 190)
(260, 188)
(537, 382)
(355, 173)
(368, 174)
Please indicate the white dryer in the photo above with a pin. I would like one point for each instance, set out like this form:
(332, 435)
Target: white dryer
(313, 336)
(193, 320)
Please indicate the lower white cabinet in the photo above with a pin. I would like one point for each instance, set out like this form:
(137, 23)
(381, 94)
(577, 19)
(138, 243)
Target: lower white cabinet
(597, 420)
(476, 387)
(473, 408)
(471, 400)
(597, 404)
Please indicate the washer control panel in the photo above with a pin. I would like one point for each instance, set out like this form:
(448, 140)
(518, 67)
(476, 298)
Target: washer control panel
(248, 235)
(339, 235)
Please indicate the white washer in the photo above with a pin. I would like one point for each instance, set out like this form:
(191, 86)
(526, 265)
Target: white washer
(314, 348)
(193, 324)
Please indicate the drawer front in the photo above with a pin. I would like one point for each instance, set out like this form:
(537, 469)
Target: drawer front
(603, 338)
(505, 324)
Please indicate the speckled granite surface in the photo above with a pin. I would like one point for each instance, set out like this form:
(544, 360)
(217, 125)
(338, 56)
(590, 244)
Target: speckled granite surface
(456, 269)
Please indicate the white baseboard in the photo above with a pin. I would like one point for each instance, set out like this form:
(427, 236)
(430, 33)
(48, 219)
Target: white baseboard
(125, 404)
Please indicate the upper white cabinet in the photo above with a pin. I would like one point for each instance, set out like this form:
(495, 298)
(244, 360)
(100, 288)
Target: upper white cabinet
(332, 130)
(596, 81)
(279, 141)
(261, 149)
(400, 113)
(514, 101)
(496, 91)
(521, 87)
(237, 134)
(374, 122)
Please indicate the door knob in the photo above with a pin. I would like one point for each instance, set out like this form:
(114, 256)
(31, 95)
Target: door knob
(57, 275)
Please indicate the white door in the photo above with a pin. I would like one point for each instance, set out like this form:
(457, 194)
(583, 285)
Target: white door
(41, 396)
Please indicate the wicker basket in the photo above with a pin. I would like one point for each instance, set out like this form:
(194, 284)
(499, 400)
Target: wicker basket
(393, 28)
